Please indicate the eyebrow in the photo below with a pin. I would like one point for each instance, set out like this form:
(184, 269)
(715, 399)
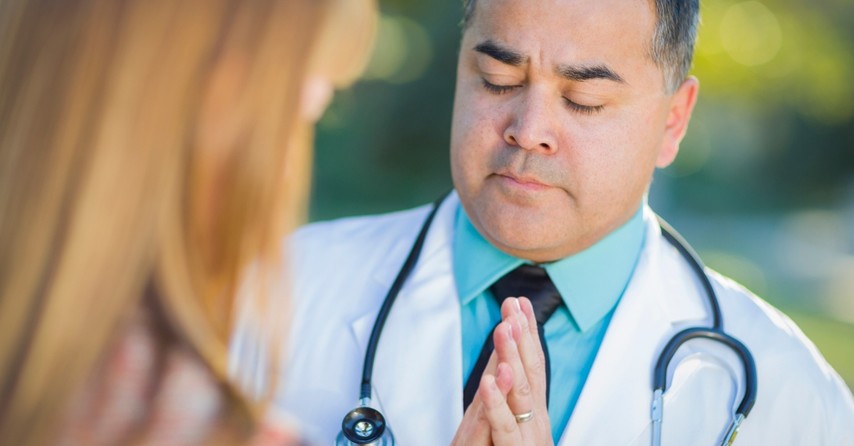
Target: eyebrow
(578, 73)
(499, 53)
(585, 73)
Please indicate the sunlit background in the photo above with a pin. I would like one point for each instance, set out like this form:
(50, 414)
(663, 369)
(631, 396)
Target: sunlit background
(763, 185)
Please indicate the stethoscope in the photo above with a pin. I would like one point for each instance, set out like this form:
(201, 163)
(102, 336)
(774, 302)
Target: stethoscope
(365, 425)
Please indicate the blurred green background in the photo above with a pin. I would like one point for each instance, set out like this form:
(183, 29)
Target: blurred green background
(763, 185)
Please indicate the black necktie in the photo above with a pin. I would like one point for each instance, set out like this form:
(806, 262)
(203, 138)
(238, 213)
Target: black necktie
(529, 281)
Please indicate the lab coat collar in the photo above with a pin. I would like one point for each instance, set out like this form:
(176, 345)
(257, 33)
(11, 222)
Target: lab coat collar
(662, 297)
(412, 376)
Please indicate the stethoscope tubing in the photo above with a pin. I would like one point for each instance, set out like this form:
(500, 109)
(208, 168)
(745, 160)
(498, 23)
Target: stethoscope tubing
(684, 248)
(715, 332)
(391, 296)
(660, 371)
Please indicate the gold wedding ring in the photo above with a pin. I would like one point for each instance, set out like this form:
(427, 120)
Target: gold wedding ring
(524, 417)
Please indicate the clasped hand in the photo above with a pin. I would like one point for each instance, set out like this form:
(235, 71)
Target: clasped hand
(512, 386)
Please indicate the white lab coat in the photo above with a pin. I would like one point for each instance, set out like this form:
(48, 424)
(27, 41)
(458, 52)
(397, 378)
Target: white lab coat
(344, 268)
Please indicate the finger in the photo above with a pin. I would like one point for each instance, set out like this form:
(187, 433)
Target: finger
(533, 357)
(520, 398)
(529, 348)
(504, 378)
(527, 310)
(518, 313)
(491, 365)
(474, 429)
(503, 427)
(491, 368)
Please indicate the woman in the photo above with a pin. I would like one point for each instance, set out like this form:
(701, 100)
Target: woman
(150, 151)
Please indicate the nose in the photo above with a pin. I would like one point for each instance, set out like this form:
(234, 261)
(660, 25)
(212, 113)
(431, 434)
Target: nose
(531, 125)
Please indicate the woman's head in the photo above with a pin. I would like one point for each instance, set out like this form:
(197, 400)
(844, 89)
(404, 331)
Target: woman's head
(148, 143)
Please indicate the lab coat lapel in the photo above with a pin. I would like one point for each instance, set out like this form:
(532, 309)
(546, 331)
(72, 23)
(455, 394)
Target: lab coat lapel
(614, 405)
(418, 366)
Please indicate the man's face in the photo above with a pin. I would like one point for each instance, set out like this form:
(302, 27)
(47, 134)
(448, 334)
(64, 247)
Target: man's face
(560, 119)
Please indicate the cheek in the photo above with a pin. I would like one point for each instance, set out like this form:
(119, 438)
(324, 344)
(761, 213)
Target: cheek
(475, 135)
(615, 160)
(479, 115)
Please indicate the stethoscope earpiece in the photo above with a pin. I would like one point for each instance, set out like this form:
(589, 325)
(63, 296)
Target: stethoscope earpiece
(364, 425)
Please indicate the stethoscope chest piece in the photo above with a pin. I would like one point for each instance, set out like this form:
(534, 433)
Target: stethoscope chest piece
(364, 426)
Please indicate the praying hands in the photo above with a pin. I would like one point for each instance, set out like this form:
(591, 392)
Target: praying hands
(510, 406)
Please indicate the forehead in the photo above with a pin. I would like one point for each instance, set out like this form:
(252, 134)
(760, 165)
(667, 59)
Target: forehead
(615, 32)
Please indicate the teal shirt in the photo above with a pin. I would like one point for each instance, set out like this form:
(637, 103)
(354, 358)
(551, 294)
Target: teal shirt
(590, 282)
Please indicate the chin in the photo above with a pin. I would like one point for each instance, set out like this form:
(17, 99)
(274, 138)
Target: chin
(526, 233)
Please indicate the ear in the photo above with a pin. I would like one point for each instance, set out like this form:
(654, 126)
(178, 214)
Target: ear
(681, 106)
(316, 95)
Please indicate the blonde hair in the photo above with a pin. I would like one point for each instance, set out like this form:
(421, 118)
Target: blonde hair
(146, 144)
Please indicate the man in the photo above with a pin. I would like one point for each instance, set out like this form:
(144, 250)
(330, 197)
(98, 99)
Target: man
(563, 110)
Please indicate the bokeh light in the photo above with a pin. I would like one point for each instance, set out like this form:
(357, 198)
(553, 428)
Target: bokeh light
(750, 33)
(402, 53)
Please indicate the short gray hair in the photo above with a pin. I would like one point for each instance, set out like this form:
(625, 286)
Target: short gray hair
(672, 46)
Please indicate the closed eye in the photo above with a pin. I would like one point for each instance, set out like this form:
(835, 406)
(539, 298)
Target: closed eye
(574, 106)
(497, 89)
(583, 109)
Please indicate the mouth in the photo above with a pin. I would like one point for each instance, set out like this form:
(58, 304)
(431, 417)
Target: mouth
(521, 181)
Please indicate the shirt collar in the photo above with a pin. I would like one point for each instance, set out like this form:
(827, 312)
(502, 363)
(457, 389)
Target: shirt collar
(590, 282)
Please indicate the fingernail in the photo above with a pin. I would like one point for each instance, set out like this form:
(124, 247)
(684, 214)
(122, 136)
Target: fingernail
(516, 306)
(510, 330)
